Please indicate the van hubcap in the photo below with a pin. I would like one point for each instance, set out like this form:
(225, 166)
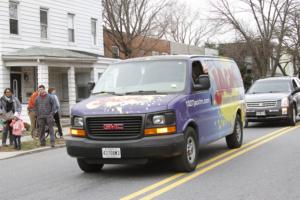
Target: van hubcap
(191, 150)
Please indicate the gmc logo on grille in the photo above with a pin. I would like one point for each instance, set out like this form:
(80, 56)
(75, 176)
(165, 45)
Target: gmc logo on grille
(110, 127)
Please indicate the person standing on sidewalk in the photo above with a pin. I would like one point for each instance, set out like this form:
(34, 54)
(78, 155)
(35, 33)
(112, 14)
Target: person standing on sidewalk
(17, 125)
(31, 111)
(9, 105)
(52, 92)
(44, 109)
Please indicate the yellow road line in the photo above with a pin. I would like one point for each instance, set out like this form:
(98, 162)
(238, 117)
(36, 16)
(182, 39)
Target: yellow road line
(202, 171)
(171, 178)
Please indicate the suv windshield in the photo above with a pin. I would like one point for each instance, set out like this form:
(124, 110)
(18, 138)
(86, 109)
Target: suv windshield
(143, 77)
(270, 86)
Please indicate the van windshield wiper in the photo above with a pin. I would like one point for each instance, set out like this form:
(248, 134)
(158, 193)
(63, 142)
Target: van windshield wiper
(108, 92)
(144, 92)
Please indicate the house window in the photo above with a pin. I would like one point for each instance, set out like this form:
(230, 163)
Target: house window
(115, 52)
(44, 23)
(82, 88)
(94, 31)
(13, 18)
(71, 30)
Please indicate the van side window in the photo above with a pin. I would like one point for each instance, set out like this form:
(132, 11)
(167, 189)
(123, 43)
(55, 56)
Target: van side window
(197, 70)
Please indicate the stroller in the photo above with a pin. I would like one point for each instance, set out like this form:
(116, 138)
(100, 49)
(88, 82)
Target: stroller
(36, 135)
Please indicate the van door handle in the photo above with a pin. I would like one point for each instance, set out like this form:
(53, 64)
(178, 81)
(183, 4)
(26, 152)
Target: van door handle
(211, 100)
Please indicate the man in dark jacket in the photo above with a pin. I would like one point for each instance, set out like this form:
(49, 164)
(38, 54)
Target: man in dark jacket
(9, 105)
(44, 109)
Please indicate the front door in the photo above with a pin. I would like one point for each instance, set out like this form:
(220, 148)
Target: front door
(15, 84)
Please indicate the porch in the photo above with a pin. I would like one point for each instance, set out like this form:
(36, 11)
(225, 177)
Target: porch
(67, 71)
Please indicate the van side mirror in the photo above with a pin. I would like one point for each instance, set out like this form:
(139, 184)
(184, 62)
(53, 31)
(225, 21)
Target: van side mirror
(91, 85)
(296, 91)
(203, 83)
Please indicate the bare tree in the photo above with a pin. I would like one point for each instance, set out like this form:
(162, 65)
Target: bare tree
(281, 31)
(292, 41)
(187, 26)
(264, 34)
(131, 21)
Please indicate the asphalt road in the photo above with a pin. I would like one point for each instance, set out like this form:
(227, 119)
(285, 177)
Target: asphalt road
(267, 167)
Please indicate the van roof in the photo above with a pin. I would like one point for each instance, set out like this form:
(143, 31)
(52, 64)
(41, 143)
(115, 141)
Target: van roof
(276, 78)
(172, 57)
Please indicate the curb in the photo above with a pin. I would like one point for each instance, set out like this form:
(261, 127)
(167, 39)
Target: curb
(38, 150)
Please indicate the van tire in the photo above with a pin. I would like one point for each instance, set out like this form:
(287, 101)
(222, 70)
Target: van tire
(235, 139)
(188, 160)
(293, 116)
(89, 168)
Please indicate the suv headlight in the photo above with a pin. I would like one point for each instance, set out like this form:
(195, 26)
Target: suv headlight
(78, 122)
(285, 102)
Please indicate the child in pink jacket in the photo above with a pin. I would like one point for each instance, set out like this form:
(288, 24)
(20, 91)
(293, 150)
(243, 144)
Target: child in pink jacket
(17, 125)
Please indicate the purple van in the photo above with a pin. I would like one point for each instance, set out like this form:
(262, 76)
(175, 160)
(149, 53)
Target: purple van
(158, 107)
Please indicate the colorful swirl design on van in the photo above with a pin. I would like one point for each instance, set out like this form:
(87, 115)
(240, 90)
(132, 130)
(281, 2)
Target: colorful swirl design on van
(228, 89)
(118, 103)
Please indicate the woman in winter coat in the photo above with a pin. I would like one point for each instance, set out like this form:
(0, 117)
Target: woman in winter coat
(9, 105)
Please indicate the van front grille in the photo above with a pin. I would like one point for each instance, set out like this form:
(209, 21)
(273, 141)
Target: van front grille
(109, 127)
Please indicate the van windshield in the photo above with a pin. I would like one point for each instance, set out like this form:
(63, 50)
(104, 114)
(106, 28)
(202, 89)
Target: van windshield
(143, 77)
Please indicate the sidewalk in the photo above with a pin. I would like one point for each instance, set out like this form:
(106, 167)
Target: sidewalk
(65, 123)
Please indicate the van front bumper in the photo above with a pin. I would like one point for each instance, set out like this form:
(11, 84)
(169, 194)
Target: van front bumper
(144, 148)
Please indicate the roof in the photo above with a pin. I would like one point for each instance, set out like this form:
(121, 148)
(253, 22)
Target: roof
(172, 57)
(46, 52)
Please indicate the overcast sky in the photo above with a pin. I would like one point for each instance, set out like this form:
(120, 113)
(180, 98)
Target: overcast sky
(205, 8)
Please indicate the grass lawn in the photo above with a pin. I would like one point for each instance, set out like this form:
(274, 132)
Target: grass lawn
(29, 145)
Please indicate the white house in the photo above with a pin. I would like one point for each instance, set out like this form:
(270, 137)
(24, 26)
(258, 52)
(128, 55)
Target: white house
(56, 43)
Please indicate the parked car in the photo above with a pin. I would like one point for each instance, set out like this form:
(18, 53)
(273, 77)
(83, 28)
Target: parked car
(275, 98)
(158, 107)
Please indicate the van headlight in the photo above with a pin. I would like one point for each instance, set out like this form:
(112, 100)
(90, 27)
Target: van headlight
(160, 123)
(159, 120)
(285, 102)
(78, 122)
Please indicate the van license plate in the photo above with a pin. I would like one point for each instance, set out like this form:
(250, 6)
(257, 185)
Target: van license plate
(111, 153)
(262, 113)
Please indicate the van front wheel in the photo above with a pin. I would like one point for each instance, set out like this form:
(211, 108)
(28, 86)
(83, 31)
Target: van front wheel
(87, 167)
(188, 160)
(235, 139)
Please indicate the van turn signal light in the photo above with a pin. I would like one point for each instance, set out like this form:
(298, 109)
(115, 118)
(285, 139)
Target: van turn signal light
(78, 132)
(160, 131)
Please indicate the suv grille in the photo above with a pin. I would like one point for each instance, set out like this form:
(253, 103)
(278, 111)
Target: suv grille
(261, 104)
(108, 127)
